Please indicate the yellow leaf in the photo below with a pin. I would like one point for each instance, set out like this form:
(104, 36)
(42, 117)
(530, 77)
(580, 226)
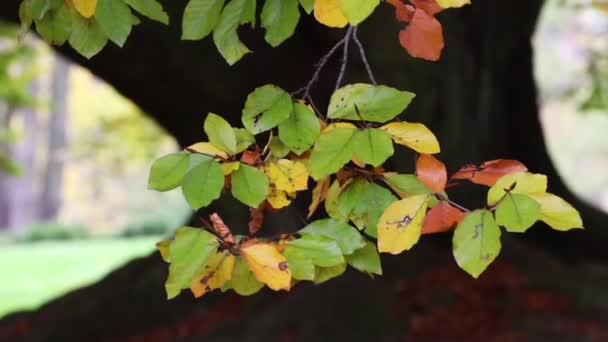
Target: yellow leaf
(278, 199)
(268, 265)
(360, 163)
(207, 149)
(329, 13)
(287, 175)
(318, 195)
(85, 7)
(230, 167)
(522, 183)
(453, 3)
(557, 213)
(400, 226)
(214, 274)
(413, 135)
(163, 248)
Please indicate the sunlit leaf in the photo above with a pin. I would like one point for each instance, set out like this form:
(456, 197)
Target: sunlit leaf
(86, 8)
(333, 149)
(517, 183)
(167, 172)
(163, 249)
(249, 185)
(452, 3)
(268, 265)
(220, 133)
(400, 226)
(358, 10)
(207, 149)
(517, 212)
(329, 13)
(266, 107)
(225, 34)
(557, 213)
(188, 252)
(301, 266)
(216, 272)
(413, 135)
(287, 175)
(244, 139)
(229, 167)
(405, 185)
(361, 101)
(476, 242)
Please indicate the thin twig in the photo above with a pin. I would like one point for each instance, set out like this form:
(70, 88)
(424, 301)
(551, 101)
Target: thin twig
(368, 67)
(349, 33)
(452, 203)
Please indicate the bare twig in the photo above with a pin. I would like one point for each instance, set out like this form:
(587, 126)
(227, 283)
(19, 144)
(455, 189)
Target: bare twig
(370, 73)
(452, 203)
(349, 33)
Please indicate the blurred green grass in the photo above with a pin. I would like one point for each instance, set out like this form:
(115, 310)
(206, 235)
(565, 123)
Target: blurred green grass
(34, 273)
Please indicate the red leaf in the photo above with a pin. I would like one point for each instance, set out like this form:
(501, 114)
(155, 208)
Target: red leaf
(431, 172)
(429, 6)
(403, 12)
(423, 37)
(250, 157)
(488, 173)
(441, 218)
(221, 228)
(256, 218)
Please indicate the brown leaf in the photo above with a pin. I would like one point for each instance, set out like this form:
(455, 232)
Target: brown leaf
(318, 195)
(431, 172)
(441, 218)
(488, 173)
(256, 218)
(423, 37)
(250, 157)
(221, 228)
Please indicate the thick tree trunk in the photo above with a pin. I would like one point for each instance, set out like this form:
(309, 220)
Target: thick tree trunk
(480, 99)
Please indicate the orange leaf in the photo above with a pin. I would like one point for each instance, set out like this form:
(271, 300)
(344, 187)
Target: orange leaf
(256, 218)
(250, 157)
(441, 218)
(221, 228)
(488, 173)
(429, 6)
(423, 37)
(403, 12)
(431, 171)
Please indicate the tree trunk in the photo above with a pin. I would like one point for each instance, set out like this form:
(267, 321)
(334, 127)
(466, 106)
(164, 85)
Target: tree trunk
(480, 100)
(51, 192)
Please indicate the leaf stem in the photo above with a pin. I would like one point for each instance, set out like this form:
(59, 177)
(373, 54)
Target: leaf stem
(441, 197)
(368, 67)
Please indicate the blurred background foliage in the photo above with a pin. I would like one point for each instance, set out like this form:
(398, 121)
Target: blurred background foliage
(79, 206)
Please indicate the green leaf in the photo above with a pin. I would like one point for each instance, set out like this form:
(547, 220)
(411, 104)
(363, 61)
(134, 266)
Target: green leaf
(517, 212)
(520, 182)
(249, 185)
(203, 184)
(363, 203)
(265, 108)
(405, 184)
(200, 18)
(307, 5)
(557, 213)
(322, 251)
(373, 146)
(366, 259)
(56, 26)
(225, 36)
(301, 266)
(374, 103)
(243, 280)
(277, 148)
(332, 151)
(358, 10)
(39, 8)
(86, 38)
(26, 17)
(167, 172)
(151, 9)
(300, 131)
(476, 242)
(280, 18)
(188, 253)
(220, 133)
(346, 236)
(323, 274)
(249, 13)
(115, 20)
(244, 139)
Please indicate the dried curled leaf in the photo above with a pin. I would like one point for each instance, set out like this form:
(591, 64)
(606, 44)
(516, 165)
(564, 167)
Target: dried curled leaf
(221, 228)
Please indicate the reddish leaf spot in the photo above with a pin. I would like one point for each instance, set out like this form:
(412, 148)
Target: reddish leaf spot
(250, 157)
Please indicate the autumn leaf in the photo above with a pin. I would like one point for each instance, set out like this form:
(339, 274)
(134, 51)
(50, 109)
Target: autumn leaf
(214, 274)
(163, 249)
(431, 172)
(267, 264)
(489, 172)
(318, 195)
(207, 149)
(229, 167)
(518, 183)
(329, 13)
(250, 157)
(413, 135)
(277, 198)
(429, 6)
(441, 218)
(221, 228)
(399, 227)
(452, 3)
(557, 213)
(256, 218)
(287, 175)
(423, 37)
(86, 8)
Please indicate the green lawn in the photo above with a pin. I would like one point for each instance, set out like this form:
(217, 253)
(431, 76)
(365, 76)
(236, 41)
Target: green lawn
(33, 273)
